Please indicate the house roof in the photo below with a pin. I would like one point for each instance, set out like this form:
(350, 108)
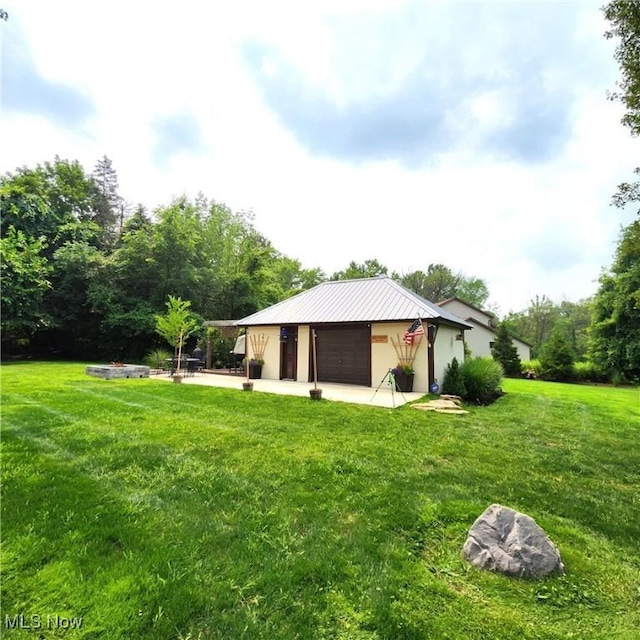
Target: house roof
(468, 304)
(479, 323)
(363, 300)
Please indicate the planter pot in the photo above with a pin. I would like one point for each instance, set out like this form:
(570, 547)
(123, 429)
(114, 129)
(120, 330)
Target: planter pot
(404, 383)
(315, 394)
(247, 386)
(177, 379)
(255, 371)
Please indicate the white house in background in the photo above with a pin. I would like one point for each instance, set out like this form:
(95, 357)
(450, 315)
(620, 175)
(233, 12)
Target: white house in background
(481, 339)
(356, 323)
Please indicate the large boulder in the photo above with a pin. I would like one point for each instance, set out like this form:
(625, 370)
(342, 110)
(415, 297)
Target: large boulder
(509, 542)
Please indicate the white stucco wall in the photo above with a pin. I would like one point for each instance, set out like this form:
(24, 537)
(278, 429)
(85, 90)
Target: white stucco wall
(303, 374)
(446, 348)
(385, 357)
(479, 340)
(271, 368)
(524, 350)
(383, 354)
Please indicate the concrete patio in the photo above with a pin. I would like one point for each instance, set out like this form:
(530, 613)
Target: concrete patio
(383, 397)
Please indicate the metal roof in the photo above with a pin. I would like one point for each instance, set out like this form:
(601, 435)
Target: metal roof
(363, 300)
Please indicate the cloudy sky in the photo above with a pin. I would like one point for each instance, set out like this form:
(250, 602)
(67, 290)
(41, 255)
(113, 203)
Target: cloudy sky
(475, 134)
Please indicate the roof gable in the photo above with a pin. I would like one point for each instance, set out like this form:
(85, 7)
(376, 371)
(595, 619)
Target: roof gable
(471, 307)
(362, 300)
(479, 323)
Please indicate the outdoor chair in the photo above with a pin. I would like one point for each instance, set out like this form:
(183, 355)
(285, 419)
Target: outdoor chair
(192, 366)
(236, 362)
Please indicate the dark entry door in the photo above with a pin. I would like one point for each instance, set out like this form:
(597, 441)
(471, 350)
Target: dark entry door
(288, 353)
(344, 354)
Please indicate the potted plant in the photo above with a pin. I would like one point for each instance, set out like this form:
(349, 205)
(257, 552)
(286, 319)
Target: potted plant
(403, 375)
(255, 368)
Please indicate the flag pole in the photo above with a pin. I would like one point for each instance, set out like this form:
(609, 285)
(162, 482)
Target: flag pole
(315, 361)
(426, 351)
(425, 330)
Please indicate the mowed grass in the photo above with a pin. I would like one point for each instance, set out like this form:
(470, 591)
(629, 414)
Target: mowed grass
(154, 510)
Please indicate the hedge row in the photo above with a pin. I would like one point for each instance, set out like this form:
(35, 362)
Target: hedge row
(581, 372)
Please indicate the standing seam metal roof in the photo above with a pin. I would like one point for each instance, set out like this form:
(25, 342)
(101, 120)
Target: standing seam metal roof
(363, 300)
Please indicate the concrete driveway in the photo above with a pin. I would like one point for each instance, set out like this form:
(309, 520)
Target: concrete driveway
(383, 397)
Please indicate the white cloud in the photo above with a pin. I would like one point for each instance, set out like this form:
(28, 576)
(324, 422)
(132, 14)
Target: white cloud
(542, 228)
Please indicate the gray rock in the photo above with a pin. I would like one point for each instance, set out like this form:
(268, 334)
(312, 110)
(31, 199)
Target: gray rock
(509, 542)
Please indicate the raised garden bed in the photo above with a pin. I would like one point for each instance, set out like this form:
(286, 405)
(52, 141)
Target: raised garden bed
(111, 371)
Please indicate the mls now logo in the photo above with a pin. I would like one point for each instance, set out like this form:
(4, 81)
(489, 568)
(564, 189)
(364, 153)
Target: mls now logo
(20, 621)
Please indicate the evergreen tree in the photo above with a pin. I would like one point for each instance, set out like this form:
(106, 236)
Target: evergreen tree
(556, 358)
(453, 383)
(506, 353)
(109, 205)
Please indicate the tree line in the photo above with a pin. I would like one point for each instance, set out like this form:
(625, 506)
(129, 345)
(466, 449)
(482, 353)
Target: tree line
(84, 274)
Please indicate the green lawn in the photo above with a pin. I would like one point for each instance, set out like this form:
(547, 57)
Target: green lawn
(154, 510)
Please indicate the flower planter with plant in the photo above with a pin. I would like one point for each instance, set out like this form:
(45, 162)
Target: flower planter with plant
(255, 368)
(254, 365)
(406, 348)
(403, 375)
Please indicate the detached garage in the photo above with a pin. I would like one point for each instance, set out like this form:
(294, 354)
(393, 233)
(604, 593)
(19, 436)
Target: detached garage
(359, 330)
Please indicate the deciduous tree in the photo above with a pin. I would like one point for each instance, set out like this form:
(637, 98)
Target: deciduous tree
(368, 269)
(24, 280)
(439, 282)
(55, 200)
(177, 324)
(615, 328)
(624, 18)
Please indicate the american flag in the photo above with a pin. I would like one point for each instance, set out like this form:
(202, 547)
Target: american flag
(416, 329)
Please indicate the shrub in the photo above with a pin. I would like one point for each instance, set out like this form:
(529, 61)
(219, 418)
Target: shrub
(530, 366)
(453, 383)
(556, 358)
(157, 359)
(587, 372)
(482, 378)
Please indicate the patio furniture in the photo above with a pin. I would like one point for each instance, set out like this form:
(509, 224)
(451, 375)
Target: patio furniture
(236, 356)
(236, 362)
(192, 365)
